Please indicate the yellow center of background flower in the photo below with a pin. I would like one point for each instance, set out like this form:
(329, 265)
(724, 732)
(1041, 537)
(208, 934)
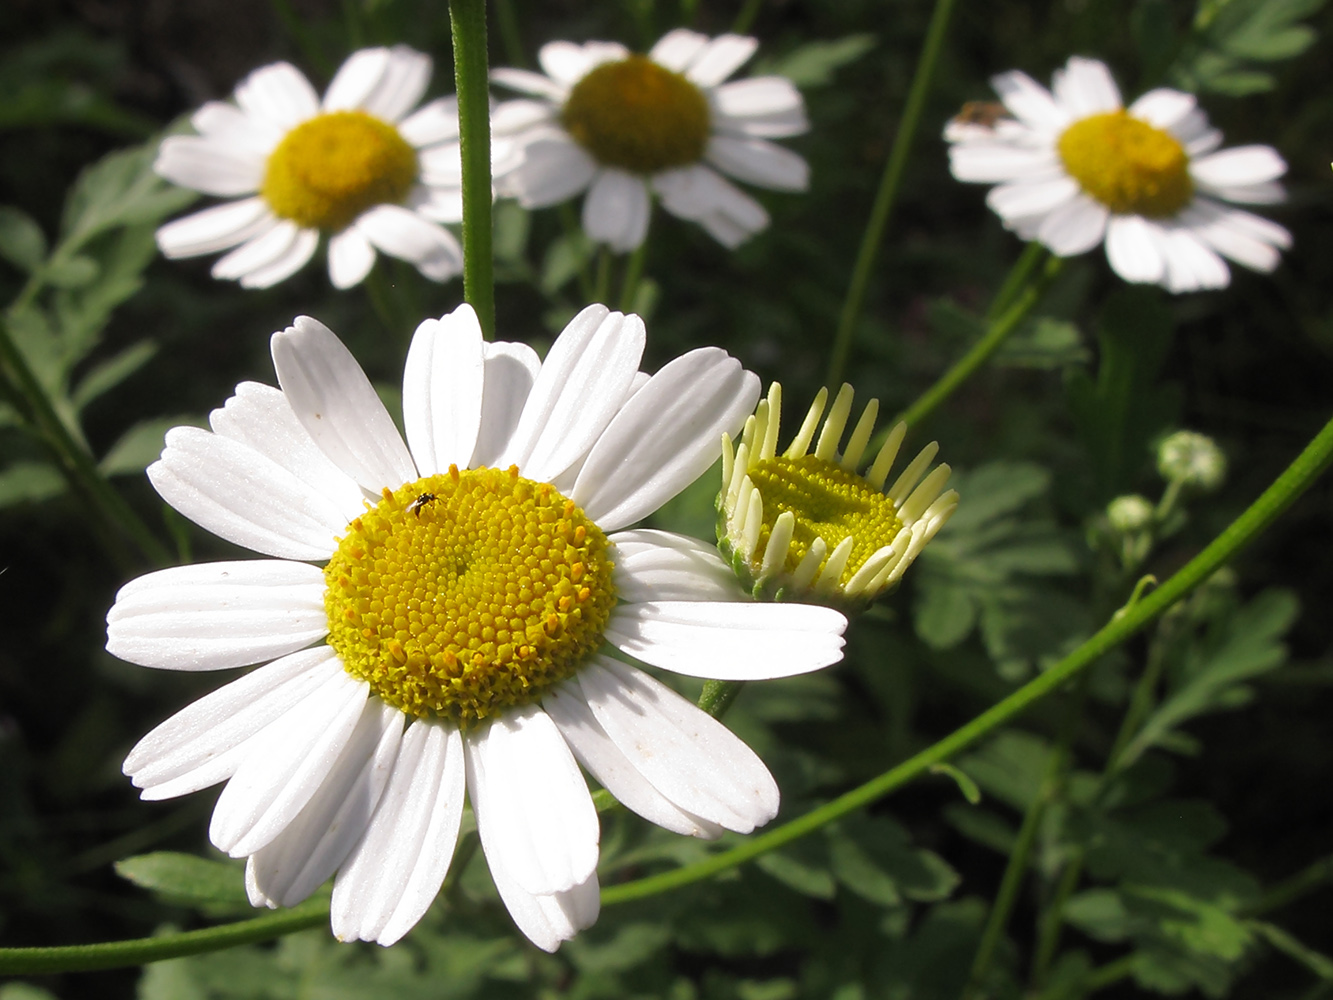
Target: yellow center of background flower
(330, 169)
(639, 116)
(830, 503)
(1128, 165)
(462, 594)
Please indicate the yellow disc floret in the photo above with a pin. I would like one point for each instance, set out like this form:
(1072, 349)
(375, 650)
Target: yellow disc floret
(1128, 165)
(330, 169)
(639, 116)
(830, 503)
(462, 594)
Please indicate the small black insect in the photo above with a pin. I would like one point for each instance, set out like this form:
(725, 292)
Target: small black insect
(420, 502)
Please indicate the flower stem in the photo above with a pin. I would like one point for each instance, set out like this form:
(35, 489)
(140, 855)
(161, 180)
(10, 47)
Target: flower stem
(139, 951)
(888, 191)
(468, 20)
(72, 457)
(717, 696)
(629, 288)
(1258, 516)
(991, 341)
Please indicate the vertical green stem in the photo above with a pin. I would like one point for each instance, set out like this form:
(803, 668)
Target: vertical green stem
(1033, 254)
(745, 17)
(995, 336)
(888, 191)
(510, 37)
(717, 696)
(629, 288)
(602, 287)
(468, 20)
(72, 458)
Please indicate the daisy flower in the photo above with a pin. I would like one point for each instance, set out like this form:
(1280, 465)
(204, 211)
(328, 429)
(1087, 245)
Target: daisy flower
(624, 126)
(805, 525)
(1075, 167)
(453, 639)
(355, 167)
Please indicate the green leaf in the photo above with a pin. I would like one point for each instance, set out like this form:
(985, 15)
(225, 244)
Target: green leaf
(141, 445)
(965, 784)
(22, 241)
(1100, 914)
(1009, 767)
(1045, 344)
(565, 257)
(802, 866)
(185, 879)
(1189, 922)
(24, 991)
(29, 482)
(108, 374)
(874, 857)
(814, 63)
(120, 190)
(70, 272)
(982, 826)
(82, 313)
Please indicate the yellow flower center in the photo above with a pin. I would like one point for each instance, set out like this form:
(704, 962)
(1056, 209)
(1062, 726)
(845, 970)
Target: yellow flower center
(828, 502)
(330, 169)
(1128, 165)
(639, 116)
(462, 594)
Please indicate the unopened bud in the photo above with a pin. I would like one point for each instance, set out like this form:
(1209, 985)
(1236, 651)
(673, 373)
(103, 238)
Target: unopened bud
(1130, 513)
(1193, 460)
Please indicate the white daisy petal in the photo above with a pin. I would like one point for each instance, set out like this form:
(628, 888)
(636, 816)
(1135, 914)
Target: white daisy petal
(285, 768)
(511, 370)
(207, 165)
(218, 228)
(404, 81)
(279, 94)
(292, 260)
(510, 117)
(701, 195)
(442, 165)
(312, 847)
(439, 204)
(1025, 199)
(552, 169)
(1240, 165)
(689, 757)
(269, 247)
(216, 615)
(729, 642)
(548, 920)
(534, 814)
(656, 565)
(350, 258)
(568, 709)
(228, 125)
(567, 63)
(204, 742)
(338, 407)
(1165, 108)
(765, 106)
(528, 82)
(1205, 142)
(1191, 265)
(721, 57)
(1134, 249)
(402, 233)
(665, 437)
(1029, 101)
(398, 866)
(757, 161)
(678, 48)
(987, 163)
(442, 390)
(260, 416)
(434, 122)
(357, 78)
(1245, 238)
(1085, 87)
(615, 211)
(582, 383)
(238, 494)
(1074, 227)
(1268, 193)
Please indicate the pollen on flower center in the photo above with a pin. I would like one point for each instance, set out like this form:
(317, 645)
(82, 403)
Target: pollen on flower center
(465, 593)
(1128, 165)
(639, 116)
(330, 169)
(830, 503)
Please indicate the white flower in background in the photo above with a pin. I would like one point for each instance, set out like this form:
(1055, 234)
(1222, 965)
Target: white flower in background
(624, 126)
(452, 638)
(805, 525)
(1074, 168)
(356, 167)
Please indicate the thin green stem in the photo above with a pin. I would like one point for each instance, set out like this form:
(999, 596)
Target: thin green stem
(888, 191)
(1259, 515)
(570, 221)
(745, 17)
(991, 341)
(510, 37)
(468, 20)
(1311, 879)
(140, 951)
(602, 287)
(629, 288)
(717, 696)
(1033, 254)
(72, 457)
(1051, 920)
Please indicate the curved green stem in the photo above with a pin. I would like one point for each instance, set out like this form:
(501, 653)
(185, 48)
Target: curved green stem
(888, 191)
(124, 954)
(1274, 500)
(72, 457)
(991, 341)
(468, 20)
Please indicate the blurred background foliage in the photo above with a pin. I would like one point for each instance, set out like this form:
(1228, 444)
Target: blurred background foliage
(1193, 855)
